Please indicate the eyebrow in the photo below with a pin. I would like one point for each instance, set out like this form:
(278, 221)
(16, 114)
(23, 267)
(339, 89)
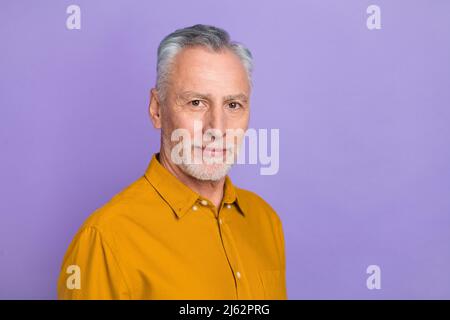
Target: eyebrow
(240, 96)
(190, 94)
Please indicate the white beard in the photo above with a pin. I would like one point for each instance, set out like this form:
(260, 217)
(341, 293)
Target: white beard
(203, 166)
(206, 172)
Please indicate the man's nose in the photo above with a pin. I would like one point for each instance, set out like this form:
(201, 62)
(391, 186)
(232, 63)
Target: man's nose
(215, 119)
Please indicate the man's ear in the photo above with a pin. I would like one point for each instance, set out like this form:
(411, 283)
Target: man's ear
(154, 109)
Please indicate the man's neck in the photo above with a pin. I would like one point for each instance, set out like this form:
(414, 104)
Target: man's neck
(212, 190)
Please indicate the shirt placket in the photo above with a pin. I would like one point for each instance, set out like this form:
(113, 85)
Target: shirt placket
(231, 250)
(228, 244)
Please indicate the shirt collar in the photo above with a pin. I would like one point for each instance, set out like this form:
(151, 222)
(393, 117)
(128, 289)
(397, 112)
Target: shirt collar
(230, 196)
(179, 196)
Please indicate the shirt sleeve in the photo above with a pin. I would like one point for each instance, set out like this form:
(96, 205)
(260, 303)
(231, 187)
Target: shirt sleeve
(90, 269)
(283, 257)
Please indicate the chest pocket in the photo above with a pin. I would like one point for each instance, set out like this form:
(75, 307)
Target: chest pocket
(274, 284)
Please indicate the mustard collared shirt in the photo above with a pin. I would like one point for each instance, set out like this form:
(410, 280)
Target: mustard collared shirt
(158, 239)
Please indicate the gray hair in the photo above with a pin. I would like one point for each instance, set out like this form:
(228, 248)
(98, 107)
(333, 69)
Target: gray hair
(211, 37)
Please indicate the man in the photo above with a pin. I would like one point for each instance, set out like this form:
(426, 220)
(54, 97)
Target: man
(183, 230)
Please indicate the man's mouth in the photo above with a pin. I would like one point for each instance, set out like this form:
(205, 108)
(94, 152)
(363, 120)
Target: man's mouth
(212, 150)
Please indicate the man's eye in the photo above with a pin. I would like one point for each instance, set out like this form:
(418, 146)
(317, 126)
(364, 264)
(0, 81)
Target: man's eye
(234, 105)
(195, 103)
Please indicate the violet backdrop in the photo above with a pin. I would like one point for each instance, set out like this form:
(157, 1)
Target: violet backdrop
(364, 119)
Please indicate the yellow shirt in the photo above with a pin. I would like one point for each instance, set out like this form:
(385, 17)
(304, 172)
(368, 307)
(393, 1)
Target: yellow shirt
(158, 239)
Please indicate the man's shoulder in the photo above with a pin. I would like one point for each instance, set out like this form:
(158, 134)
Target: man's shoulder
(254, 201)
(122, 206)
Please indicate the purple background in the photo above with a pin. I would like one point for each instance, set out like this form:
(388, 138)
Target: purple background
(363, 116)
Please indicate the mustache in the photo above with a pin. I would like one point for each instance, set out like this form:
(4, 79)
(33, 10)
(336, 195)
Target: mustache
(213, 145)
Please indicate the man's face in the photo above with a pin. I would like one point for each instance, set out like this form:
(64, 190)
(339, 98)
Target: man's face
(208, 97)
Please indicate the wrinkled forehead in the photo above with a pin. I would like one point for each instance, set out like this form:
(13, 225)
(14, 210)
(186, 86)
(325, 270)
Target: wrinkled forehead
(200, 69)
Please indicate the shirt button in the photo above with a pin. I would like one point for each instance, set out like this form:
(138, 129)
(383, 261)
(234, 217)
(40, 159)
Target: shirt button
(194, 208)
(238, 275)
(229, 206)
(204, 202)
(220, 221)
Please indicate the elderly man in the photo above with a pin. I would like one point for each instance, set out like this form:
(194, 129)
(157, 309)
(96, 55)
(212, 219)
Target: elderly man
(183, 230)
